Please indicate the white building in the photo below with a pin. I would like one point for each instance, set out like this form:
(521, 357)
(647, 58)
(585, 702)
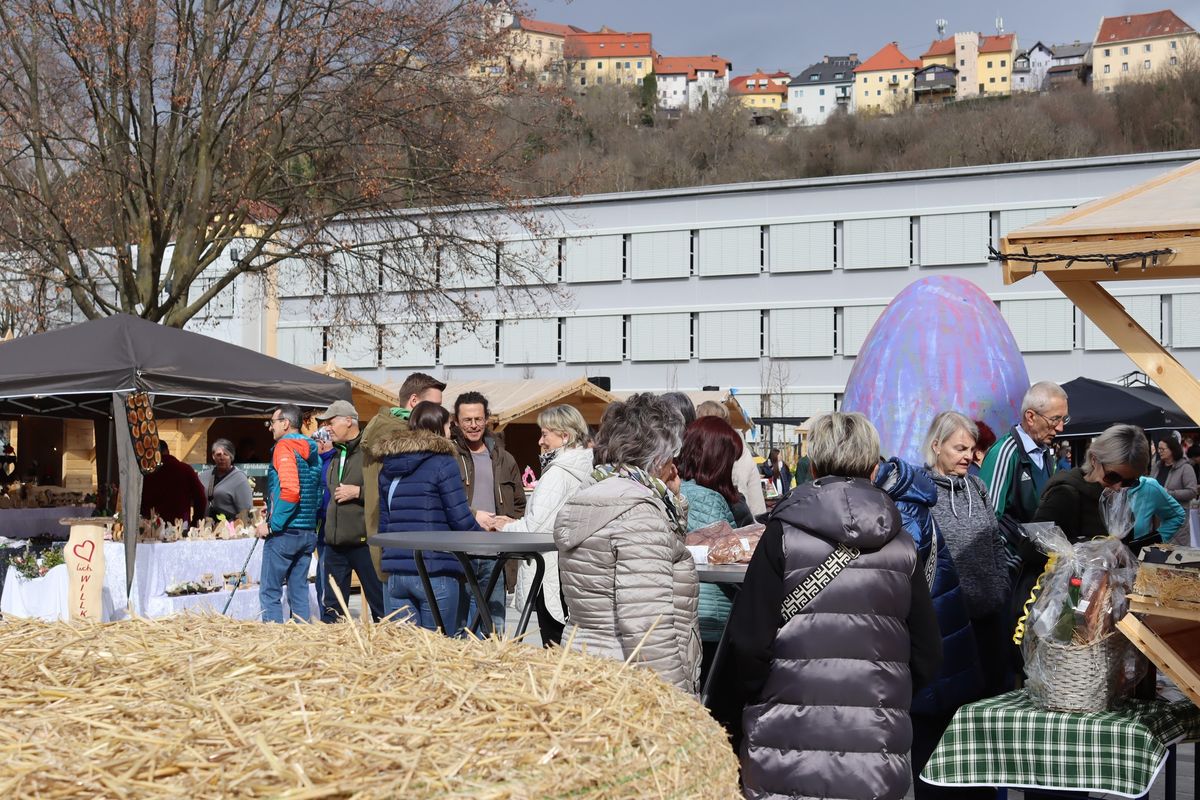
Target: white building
(763, 287)
(691, 81)
(823, 89)
(1030, 68)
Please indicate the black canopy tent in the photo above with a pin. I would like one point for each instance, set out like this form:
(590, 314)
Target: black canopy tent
(1094, 405)
(85, 371)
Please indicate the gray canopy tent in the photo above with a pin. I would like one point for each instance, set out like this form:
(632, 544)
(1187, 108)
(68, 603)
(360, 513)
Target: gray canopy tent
(86, 371)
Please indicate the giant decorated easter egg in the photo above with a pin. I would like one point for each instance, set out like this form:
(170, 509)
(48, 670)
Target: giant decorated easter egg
(940, 345)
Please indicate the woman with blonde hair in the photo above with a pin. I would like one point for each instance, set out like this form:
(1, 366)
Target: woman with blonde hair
(566, 461)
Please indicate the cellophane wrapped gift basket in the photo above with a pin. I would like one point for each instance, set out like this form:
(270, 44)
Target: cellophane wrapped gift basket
(1075, 659)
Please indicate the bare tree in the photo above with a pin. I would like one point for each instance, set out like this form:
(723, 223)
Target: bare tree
(140, 139)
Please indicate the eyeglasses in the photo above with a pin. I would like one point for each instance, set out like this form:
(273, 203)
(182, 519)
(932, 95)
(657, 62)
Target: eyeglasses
(1116, 479)
(272, 421)
(1054, 421)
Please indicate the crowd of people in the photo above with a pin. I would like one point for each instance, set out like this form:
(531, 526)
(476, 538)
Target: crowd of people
(881, 597)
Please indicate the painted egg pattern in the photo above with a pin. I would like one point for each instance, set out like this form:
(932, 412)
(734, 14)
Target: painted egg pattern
(940, 345)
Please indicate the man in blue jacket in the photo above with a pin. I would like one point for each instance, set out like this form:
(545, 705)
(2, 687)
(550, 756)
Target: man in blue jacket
(293, 495)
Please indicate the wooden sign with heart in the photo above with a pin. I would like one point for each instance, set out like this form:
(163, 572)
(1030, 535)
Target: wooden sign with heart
(85, 570)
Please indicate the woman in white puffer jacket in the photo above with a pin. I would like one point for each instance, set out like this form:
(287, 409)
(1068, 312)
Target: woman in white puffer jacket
(565, 461)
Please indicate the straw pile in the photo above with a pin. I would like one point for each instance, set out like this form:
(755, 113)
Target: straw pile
(205, 707)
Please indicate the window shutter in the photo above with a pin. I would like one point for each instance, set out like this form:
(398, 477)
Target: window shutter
(801, 332)
(468, 266)
(805, 246)
(661, 255)
(955, 238)
(730, 334)
(883, 242)
(1020, 217)
(593, 339)
(412, 345)
(593, 258)
(1146, 310)
(1041, 326)
(1185, 311)
(660, 337)
(529, 341)
(301, 346)
(857, 322)
(467, 345)
(529, 262)
(730, 251)
(354, 345)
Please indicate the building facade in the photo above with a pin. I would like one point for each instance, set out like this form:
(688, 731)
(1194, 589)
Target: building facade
(1140, 46)
(935, 84)
(607, 58)
(1030, 68)
(825, 88)
(761, 91)
(883, 83)
(996, 56)
(691, 81)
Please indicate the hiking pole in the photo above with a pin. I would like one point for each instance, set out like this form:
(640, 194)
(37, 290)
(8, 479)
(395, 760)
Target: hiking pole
(241, 578)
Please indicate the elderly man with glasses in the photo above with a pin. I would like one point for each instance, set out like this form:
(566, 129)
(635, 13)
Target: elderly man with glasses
(1019, 465)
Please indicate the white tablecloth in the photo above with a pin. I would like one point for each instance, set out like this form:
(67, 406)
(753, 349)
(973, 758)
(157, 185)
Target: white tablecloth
(158, 566)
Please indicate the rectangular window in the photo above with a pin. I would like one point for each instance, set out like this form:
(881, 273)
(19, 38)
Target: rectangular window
(1124, 51)
(529, 341)
(1107, 68)
(639, 65)
(1107, 52)
(627, 64)
(1003, 62)
(664, 254)
(1145, 48)
(821, 92)
(410, 345)
(729, 251)
(1172, 44)
(1174, 61)
(301, 345)
(1146, 64)
(1041, 326)
(1004, 79)
(618, 65)
(955, 239)
(880, 243)
(660, 337)
(463, 345)
(589, 259)
(857, 322)
(593, 339)
(822, 109)
(801, 247)
(729, 335)
(1146, 311)
(599, 81)
(599, 65)
(1185, 310)
(989, 65)
(583, 81)
(1124, 66)
(801, 332)
(991, 80)
(962, 62)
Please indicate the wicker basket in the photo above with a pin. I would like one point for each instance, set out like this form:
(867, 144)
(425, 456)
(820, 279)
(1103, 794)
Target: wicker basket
(1078, 677)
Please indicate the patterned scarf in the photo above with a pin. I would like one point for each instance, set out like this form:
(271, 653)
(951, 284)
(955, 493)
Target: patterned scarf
(676, 513)
(545, 458)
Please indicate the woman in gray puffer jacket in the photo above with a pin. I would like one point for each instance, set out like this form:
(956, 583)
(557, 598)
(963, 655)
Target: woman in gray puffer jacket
(629, 581)
(968, 523)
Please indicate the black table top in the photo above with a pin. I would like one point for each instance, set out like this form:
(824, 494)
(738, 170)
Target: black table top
(479, 543)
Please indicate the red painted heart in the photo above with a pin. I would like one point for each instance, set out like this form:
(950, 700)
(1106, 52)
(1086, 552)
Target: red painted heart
(85, 550)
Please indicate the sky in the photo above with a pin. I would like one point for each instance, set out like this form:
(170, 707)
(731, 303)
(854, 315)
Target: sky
(790, 35)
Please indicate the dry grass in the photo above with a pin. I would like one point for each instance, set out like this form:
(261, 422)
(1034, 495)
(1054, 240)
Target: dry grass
(204, 707)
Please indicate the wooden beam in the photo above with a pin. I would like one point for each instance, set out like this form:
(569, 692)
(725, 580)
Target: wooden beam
(1184, 263)
(1145, 351)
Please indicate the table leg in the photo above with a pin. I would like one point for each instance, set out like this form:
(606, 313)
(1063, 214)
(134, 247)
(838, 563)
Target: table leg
(483, 615)
(423, 573)
(539, 572)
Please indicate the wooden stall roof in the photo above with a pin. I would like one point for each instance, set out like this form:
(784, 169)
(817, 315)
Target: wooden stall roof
(368, 397)
(520, 401)
(1162, 213)
(1147, 232)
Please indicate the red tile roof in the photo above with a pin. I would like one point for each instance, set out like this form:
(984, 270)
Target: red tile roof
(737, 85)
(997, 44)
(1140, 26)
(606, 45)
(678, 65)
(940, 47)
(888, 57)
(551, 28)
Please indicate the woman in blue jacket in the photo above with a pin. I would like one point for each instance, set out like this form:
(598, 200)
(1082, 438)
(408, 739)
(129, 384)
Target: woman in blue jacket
(420, 489)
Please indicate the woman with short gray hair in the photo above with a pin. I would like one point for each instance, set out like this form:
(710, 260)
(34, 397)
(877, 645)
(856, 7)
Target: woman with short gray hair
(1071, 500)
(833, 597)
(629, 581)
(227, 487)
(566, 462)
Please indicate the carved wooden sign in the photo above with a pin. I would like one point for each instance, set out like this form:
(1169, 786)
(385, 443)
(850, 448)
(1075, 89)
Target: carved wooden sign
(85, 570)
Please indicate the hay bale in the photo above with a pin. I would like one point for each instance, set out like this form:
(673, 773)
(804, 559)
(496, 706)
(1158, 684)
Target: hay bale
(205, 707)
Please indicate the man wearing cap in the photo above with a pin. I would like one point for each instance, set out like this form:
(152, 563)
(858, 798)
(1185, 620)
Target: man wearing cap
(345, 532)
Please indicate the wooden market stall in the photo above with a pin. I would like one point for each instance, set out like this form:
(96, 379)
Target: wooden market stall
(1148, 232)
(368, 398)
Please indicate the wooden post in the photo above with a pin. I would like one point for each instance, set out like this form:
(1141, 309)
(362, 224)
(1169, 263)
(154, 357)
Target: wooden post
(1145, 351)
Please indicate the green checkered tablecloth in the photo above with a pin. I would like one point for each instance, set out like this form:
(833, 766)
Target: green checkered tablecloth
(1008, 741)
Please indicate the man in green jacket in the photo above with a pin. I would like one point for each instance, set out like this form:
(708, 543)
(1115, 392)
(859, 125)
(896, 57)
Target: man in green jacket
(346, 547)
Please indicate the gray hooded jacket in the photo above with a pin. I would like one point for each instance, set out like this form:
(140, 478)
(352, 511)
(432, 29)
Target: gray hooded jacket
(832, 718)
(629, 580)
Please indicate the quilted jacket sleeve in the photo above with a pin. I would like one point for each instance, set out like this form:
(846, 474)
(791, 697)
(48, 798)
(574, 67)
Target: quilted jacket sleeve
(544, 502)
(643, 598)
(454, 496)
